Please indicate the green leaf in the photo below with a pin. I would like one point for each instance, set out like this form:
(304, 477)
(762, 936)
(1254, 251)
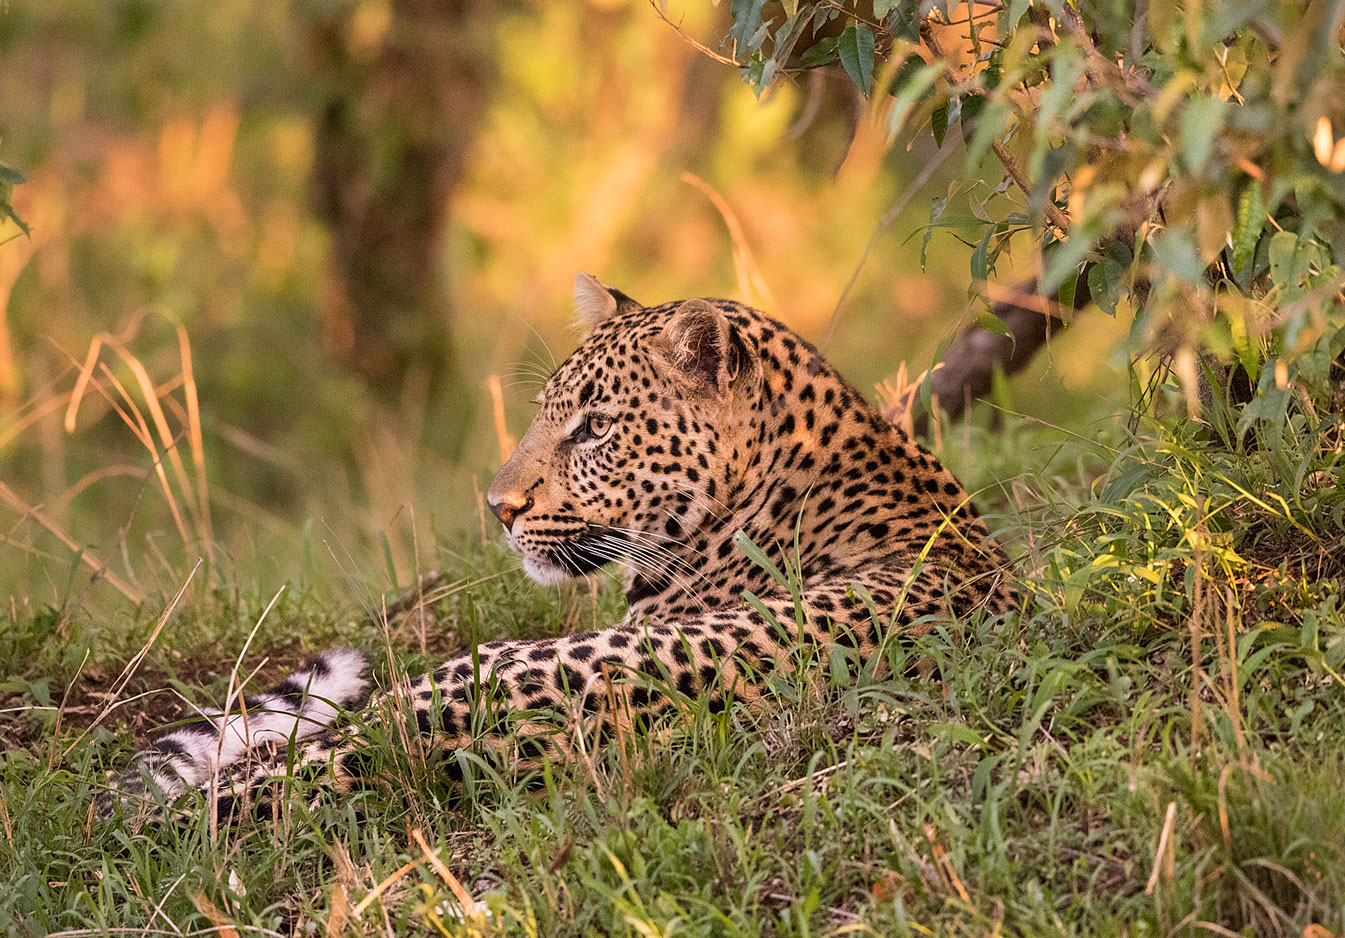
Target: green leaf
(1104, 284)
(1175, 250)
(1016, 10)
(1050, 168)
(747, 21)
(758, 557)
(956, 732)
(1200, 124)
(979, 266)
(936, 209)
(912, 90)
(787, 36)
(984, 774)
(387, 559)
(972, 106)
(9, 176)
(939, 121)
(7, 211)
(1068, 288)
(903, 21)
(856, 50)
(1288, 263)
(1063, 260)
(767, 75)
(882, 7)
(1057, 98)
(840, 674)
(1247, 231)
(990, 122)
(754, 72)
(992, 323)
(819, 53)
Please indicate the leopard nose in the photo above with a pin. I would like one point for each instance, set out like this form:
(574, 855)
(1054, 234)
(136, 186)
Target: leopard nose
(509, 506)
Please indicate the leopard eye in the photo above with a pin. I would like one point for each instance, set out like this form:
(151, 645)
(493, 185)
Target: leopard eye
(595, 427)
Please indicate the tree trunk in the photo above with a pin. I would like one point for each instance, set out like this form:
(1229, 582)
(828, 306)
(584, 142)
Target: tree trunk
(399, 105)
(969, 364)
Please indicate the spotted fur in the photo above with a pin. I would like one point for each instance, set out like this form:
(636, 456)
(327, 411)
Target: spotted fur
(671, 434)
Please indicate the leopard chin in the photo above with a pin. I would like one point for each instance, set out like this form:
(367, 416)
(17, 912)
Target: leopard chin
(545, 571)
(572, 559)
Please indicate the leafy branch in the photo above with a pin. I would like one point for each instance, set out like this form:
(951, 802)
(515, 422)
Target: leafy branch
(1171, 161)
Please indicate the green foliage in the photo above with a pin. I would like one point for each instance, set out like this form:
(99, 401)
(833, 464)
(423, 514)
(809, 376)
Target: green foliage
(9, 178)
(1181, 159)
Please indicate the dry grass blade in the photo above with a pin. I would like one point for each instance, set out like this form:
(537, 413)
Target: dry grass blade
(60, 711)
(195, 491)
(6, 822)
(1162, 850)
(235, 685)
(336, 919)
(167, 438)
(945, 866)
(506, 441)
(99, 568)
(211, 912)
(129, 671)
(234, 691)
(346, 879)
(36, 408)
(745, 267)
(140, 427)
(383, 887)
(470, 910)
(195, 437)
(896, 397)
(82, 382)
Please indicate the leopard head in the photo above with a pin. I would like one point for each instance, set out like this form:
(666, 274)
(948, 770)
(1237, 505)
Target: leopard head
(638, 437)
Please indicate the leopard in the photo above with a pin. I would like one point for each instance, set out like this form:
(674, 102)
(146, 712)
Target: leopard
(701, 447)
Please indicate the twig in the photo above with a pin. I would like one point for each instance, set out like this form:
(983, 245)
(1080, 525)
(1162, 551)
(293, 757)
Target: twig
(1053, 214)
(699, 47)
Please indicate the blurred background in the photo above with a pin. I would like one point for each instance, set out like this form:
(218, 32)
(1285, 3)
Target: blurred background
(295, 269)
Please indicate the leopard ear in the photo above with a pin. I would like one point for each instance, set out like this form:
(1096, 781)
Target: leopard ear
(699, 344)
(595, 302)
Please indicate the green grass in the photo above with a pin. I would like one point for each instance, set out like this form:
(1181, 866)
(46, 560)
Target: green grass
(1174, 679)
